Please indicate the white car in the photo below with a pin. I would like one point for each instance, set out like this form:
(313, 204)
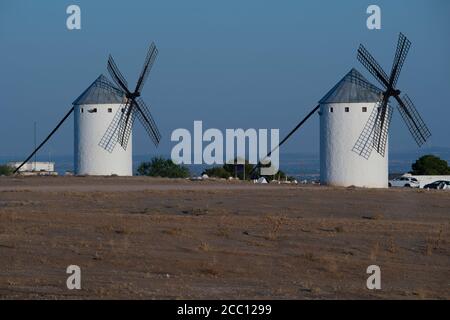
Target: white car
(408, 182)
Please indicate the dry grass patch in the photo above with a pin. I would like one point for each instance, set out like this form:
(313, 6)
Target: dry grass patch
(196, 211)
(434, 242)
(309, 256)
(173, 231)
(374, 251)
(209, 271)
(377, 216)
(392, 246)
(274, 224)
(204, 246)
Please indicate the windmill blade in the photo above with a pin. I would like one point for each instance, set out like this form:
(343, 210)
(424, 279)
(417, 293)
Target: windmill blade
(116, 75)
(126, 124)
(364, 144)
(149, 60)
(403, 46)
(413, 120)
(110, 137)
(145, 117)
(372, 66)
(46, 139)
(381, 131)
(288, 136)
(380, 123)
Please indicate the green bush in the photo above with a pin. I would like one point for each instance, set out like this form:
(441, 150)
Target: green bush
(217, 172)
(430, 165)
(160, 167)
(230, 170)
(234, 169)
(6, 170)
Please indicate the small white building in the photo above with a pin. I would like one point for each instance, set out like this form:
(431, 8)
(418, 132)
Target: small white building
(344, 111)
(94, 110)
(34, 167)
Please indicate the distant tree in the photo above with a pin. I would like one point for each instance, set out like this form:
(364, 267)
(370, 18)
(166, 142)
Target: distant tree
(280, 175)
(6, 170)
(430, 165)
(235, 169)
(239, 169)
(160, 167)
(217, 172)
(231, 170)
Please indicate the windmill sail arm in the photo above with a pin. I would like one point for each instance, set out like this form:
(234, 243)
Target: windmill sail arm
(364, 144)
(45, 140)
(403, 46)
(126, 125)
(382, 129)
(382, 124)
(109, 138)
(369, 62)
(116, 75)
(148, 64)
(413, 120)
(147, 121)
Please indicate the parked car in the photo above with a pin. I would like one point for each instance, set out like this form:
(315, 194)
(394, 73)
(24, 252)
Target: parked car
(440, 184)
(408, 182)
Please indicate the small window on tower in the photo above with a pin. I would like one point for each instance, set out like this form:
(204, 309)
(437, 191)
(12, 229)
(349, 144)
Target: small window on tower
(331, 109)
(109, 110)
(347, 109)
(364, 109)
(82, 110)
(93, 110)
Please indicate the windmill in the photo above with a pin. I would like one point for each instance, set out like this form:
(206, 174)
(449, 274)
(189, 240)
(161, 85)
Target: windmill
(356, 110)
(120, 127)
(376, 130)
(98, 129)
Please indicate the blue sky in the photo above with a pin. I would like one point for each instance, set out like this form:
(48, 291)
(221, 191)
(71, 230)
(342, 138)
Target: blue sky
(248, 64)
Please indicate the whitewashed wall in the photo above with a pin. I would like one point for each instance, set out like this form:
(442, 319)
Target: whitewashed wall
(90, 158)
(339, 165)
(34, 166)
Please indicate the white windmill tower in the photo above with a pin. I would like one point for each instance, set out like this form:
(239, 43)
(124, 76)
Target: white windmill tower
(344, 111)
(104, 117)
(94, 110)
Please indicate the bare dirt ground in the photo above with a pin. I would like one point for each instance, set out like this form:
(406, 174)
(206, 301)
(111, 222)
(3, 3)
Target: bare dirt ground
(142, 238)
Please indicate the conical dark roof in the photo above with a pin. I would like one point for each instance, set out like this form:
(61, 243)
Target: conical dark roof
(101, 91)
(352, 88)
